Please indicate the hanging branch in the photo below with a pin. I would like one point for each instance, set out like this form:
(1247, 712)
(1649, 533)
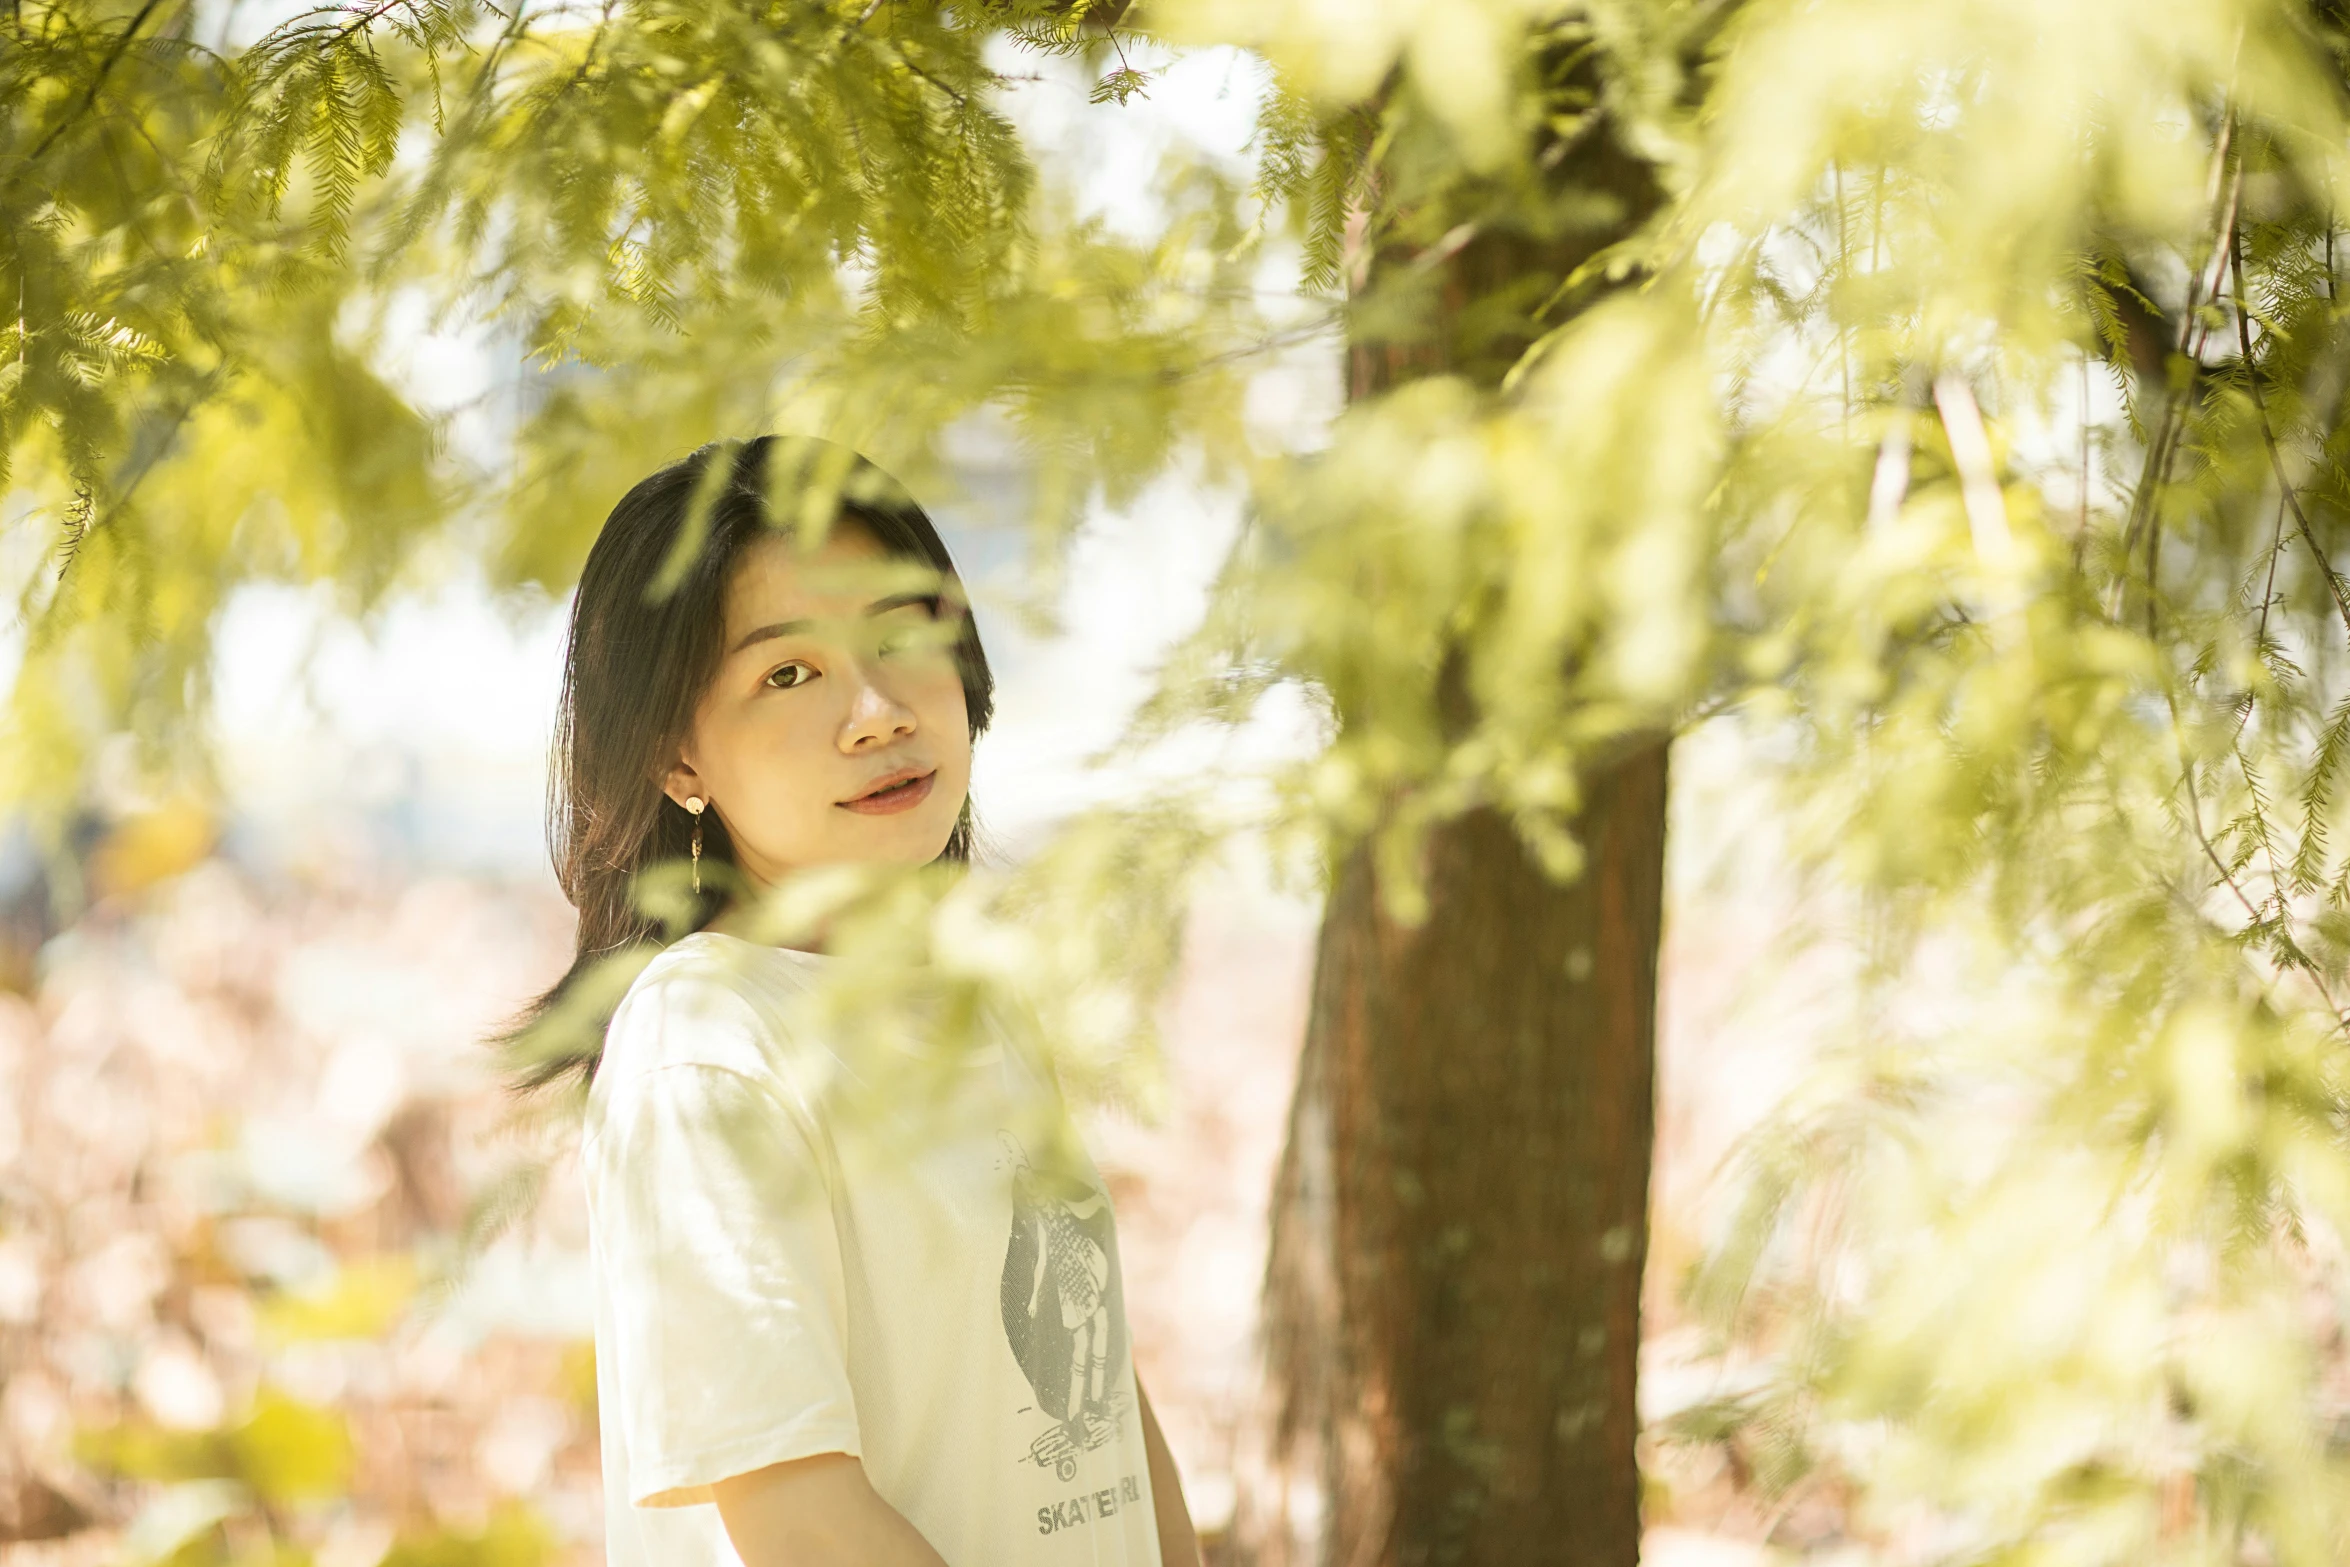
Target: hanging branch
(85, 517)
(2276, 456)
(2280, 942)
(89, 99)
(2228, 181)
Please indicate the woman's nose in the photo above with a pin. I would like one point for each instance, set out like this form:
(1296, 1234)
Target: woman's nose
(875, 713)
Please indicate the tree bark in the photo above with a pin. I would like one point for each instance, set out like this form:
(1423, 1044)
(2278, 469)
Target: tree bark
(1463, 1202)
(1460, 1216)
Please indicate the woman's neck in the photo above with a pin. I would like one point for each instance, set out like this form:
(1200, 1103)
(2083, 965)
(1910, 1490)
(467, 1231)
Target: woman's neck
(740, 919)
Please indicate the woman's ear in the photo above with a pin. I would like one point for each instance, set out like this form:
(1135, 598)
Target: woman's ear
(682, 783)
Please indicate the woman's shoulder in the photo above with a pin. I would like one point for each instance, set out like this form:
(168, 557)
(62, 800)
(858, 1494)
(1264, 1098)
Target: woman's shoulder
(705, 1000)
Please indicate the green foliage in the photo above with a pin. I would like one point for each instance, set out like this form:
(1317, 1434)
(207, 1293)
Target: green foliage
(363, 1300)
(237, 1496)
(282, 1451)
(318, 94)
(691, 218)
(514, 1536)
(1974, 432)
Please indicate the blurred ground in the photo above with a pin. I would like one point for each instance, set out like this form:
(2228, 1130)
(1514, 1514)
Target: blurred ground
(243, 1122)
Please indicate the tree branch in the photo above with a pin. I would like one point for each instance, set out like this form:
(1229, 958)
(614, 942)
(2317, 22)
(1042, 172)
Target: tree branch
(2276, 456)
(97, 82)
(2228, 183)
(2280, 942)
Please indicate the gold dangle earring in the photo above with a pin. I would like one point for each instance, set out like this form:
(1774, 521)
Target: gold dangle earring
(694, 804)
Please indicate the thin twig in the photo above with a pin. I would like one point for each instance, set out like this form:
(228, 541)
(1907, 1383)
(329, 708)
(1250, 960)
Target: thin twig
(1264, 345)
(1843, 332)
(2296, 958)
(2268, 851)
(369, 17)
(2081, 531)
(105, 69)
(2268, 594)
(155, 455)
(2164, 447)
(2276, 456)
(961, 102)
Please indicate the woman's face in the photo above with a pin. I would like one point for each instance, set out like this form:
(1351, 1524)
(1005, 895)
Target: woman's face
(835, 728)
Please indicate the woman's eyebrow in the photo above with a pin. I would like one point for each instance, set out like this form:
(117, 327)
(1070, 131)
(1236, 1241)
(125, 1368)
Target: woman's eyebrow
(791, 628)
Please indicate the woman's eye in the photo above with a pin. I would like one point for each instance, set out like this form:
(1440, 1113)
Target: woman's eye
(790, 675)
(910, 634)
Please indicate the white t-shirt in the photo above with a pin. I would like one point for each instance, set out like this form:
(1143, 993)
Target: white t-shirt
(775, 1279)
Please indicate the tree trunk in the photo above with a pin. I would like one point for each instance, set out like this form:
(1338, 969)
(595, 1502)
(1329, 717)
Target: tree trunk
(1463, 1204)
(1460, 1218)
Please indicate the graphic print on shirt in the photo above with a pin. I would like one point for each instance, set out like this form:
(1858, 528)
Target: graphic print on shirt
(1064, 1314)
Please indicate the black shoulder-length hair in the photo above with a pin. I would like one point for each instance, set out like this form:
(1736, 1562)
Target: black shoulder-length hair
(646, 631)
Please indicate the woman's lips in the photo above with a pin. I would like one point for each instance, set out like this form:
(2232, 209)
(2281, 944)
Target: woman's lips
(897, 797)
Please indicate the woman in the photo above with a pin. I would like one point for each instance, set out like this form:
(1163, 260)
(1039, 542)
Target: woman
(820, 1338)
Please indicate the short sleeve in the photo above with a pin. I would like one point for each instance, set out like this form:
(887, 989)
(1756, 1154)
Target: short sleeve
(713, 1228)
